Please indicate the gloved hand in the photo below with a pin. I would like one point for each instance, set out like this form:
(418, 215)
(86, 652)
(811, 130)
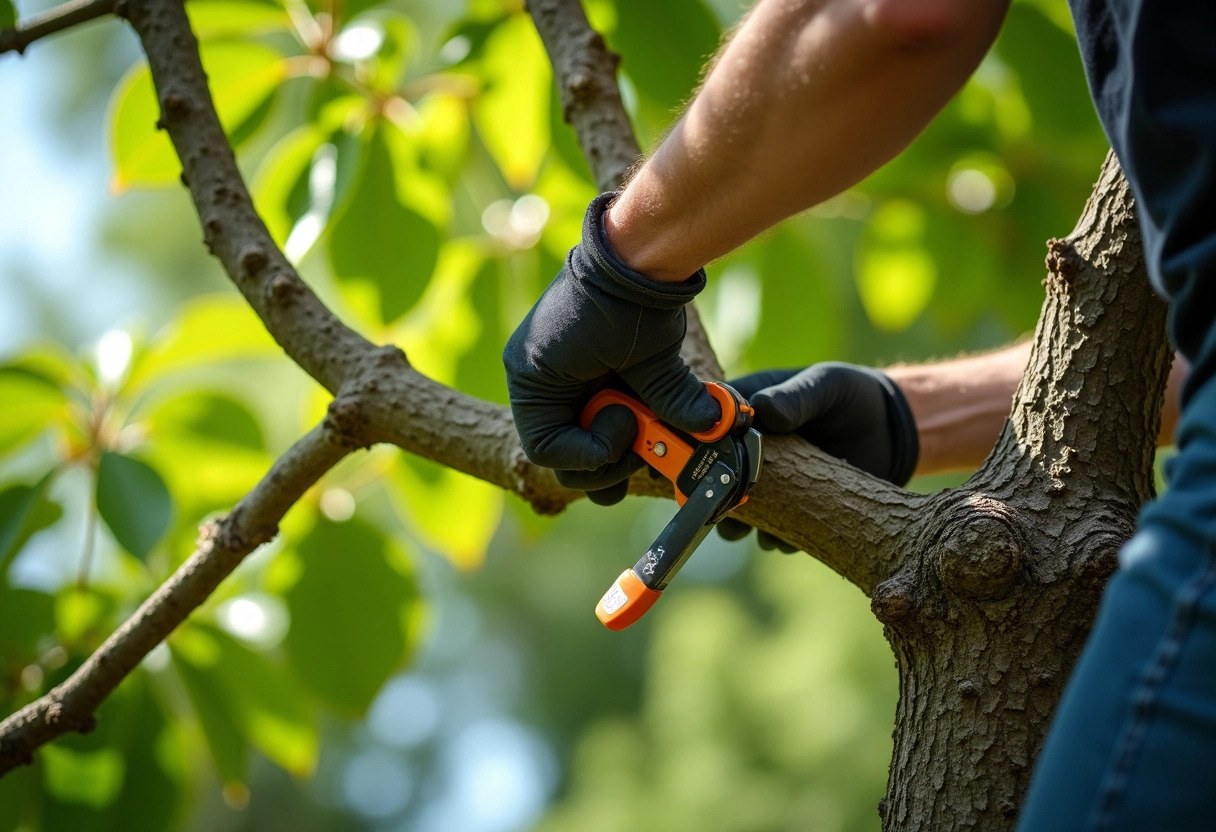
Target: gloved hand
(599, 317)
(854, 413)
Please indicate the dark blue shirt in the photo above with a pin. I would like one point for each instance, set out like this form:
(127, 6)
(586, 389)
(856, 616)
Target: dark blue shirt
(1152, 71)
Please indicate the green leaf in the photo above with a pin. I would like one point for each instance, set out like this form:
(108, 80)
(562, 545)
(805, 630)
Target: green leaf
(896, 274)
(667, 72)
(512, 113)
(209, 448)
(8, 15)
(280, 190)
(351, 613)
(268, 707)
(91, 779)
(134, 502)
(210, 329)
(196, 658)
(241, 75)
(26, 618)
(383, 237)
(453, 512)
(82, 612)
(212, 19)
(24, 511)
(31, 405)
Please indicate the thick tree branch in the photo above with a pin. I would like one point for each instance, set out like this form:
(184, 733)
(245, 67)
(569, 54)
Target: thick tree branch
(222, 546)
(52, 21)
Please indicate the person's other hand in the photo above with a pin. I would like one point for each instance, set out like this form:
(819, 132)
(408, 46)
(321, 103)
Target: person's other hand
(854, 413)
(597, 318)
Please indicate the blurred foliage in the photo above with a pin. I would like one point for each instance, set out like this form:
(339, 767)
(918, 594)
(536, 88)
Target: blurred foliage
(411, 159)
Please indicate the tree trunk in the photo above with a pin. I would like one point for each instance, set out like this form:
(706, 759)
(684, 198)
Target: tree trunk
(1000, 582)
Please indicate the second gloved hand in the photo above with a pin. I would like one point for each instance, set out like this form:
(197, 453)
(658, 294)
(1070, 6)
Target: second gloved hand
(854, 413)
(599, 317)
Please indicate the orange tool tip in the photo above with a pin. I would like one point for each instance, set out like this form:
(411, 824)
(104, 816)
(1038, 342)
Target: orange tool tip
(625, 601)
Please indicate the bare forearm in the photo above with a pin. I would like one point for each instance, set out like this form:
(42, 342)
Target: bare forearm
(805, 100)
(960, 406)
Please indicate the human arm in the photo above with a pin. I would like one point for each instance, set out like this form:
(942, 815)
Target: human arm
(804, 101)
(960, 406)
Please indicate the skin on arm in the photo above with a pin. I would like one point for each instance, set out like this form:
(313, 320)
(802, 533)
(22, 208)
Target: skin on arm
(960, 406)
(804, 101)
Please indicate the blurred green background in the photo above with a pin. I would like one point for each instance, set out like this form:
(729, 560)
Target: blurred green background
(417, 651)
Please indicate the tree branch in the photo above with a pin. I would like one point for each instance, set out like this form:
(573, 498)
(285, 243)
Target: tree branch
(845, 517)
(222, 546)
(52, 21)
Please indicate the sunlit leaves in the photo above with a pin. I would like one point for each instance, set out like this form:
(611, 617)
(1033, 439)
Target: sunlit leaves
(387, 236)
(8, 15)
(665, 45)
(134, 501)
(352, 613)
(26, 618)
(241, 76)
(90, 778)
(31, 403)
(450, 511)
(281, 189)
(243, 696)
(512, 113)
(208, 330)
(225, 18)
(895, 274)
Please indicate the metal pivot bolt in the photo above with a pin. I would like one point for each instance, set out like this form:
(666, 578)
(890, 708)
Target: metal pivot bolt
(660, 449)
(724, 479)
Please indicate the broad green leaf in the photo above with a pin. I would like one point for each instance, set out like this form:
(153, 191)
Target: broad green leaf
(385, 70)
(8, 15)
(208, 330)
(442, 132)
(383, 238)
(211, 19)
(82, 613)
(896, 274)
(134, 501)
(24, 511)
(196, 658)
(31, 405)
(664, 46)
(153, 781)
(209, 448)
(26, 618)
(351, 613)
(444, 325)
(269, 709)
(450, 511)
(280, 189)
(241, 76)
(512, 113)
(91, 778)
(17, 787)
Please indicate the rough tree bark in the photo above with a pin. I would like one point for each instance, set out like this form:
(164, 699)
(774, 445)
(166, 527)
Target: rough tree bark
(986, 591)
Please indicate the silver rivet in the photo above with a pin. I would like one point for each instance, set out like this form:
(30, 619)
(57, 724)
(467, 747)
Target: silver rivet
(709, 493)
(660, 449)
(724, 479)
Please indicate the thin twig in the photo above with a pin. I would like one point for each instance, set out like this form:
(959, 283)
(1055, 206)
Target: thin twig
(53, 20)
(222, 546)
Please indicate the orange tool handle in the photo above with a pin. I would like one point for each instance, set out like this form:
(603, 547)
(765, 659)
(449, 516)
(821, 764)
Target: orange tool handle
(656, 443)
(626, 601)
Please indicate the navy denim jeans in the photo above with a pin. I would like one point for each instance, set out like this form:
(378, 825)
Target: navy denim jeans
(1133, 744)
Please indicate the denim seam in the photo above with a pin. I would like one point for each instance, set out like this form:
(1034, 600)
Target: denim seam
(1144, 699)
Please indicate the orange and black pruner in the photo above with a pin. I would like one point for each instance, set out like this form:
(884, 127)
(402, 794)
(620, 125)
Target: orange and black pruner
(711, 472)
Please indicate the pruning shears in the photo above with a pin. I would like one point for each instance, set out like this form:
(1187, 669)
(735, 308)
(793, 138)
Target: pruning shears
(711, 472)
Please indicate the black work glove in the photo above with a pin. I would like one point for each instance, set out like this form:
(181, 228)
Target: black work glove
(599, 317)
(854, 413)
